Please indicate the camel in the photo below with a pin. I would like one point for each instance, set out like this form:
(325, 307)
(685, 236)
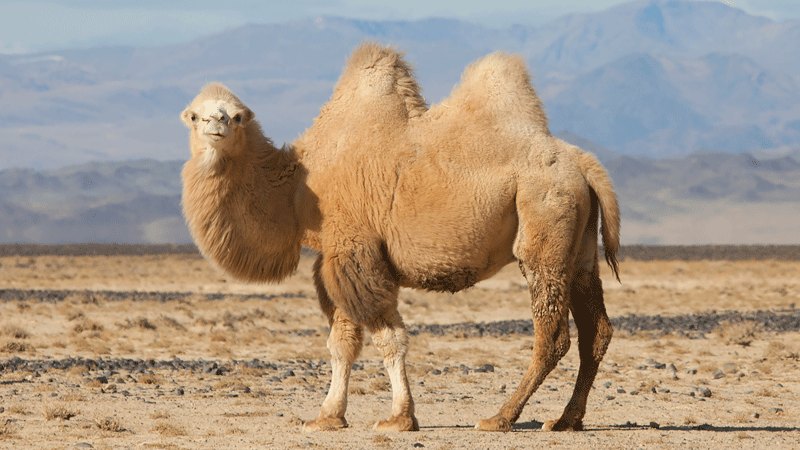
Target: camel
(392, 193)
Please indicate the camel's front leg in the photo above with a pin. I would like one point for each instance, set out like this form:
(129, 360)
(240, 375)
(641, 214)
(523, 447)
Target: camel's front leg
(390, 338)
(344, 344)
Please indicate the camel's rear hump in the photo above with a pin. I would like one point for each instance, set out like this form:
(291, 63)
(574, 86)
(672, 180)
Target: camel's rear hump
(499, 84)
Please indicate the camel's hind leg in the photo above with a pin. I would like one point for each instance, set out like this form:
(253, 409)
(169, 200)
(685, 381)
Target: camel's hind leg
(547, 241)
(594, 335)
(551, 342)
(344, 343)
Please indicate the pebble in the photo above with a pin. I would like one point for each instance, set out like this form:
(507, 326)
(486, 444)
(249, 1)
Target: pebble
(485, 368)
(620, 391)
(718, 374)
(607, 384)
(705, 392)
(656, 364)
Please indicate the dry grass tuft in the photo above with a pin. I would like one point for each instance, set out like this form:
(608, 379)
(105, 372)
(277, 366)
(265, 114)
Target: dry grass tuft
(86, 325)
(159, 415)
(141, 323)
(17, 347)
(382, 440)
(741, 333)
(17, 408)
(109, 424)
(150, 379)
(168, 430)
(357, 390)
(14, 332)
(379, 385)
(6, 432)
(59, 412)
(169, 322)
(74, 397)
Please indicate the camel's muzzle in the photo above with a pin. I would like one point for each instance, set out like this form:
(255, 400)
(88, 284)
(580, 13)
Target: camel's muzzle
(216, 130)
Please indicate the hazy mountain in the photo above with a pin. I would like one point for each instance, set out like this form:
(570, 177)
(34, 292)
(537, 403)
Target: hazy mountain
(643, 78)
(716, 198)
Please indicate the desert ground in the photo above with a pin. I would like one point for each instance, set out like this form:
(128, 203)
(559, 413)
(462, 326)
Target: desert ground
(113, 350)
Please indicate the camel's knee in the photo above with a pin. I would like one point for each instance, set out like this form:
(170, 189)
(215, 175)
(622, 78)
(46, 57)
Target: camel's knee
(389, 336)
(345, 339)
(605, 331)
(552, 342)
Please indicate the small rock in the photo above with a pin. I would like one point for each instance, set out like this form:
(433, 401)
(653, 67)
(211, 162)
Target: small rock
(83, 445)
(179, 391)
(656, 364)
(610, 397)
(288, 373)
(634, 392)
(691, 371)
(705, 392)
(655, 425)
(417, 445)
(729, 368)
(436, 372)
(620, 391)
(756, 415)
(776, 410)
(718, 374)
(607, 384)
(672, 368)
(485, 368)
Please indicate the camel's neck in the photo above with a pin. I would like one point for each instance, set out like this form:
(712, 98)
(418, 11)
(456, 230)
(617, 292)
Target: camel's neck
(241, 211)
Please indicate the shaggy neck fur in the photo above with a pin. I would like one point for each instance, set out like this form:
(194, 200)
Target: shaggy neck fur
(239, 206)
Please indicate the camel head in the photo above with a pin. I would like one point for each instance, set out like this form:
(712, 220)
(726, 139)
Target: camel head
(217, 120)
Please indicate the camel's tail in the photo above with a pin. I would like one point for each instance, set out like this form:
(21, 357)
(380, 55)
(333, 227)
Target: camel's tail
(599, 181)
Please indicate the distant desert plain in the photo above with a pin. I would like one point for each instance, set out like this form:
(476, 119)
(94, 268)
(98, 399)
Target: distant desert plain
(158, 349)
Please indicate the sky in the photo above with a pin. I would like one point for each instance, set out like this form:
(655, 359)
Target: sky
(39, 26)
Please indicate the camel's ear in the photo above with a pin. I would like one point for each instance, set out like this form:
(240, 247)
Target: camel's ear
(244, 116)
(189, 117)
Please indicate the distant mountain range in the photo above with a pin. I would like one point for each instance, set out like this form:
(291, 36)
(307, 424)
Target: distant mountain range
(654, 78)
(702, 198)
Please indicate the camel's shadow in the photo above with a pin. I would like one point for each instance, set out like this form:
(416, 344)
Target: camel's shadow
(701, 427)
(536, 425)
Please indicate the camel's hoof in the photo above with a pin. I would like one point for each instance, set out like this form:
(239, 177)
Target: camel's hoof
(325, 424)
(496, 423)
(398, 423)
(563, 425)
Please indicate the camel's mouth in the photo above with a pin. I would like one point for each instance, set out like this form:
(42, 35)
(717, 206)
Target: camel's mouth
(215, 136)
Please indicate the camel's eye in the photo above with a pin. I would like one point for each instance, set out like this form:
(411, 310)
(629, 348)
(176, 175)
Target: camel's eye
(237, 118)
(194, 118)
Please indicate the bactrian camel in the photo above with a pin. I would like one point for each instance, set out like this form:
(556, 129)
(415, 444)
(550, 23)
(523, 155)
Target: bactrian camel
(393, 194)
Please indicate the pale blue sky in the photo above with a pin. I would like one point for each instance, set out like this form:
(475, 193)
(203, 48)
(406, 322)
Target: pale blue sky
(41, 25)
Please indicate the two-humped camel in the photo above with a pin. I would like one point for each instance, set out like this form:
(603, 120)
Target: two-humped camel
(393, 194)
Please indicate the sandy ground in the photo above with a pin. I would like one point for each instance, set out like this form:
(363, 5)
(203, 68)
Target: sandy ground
(736, 387)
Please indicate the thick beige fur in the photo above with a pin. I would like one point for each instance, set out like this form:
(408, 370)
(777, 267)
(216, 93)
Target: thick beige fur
(394, 194)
